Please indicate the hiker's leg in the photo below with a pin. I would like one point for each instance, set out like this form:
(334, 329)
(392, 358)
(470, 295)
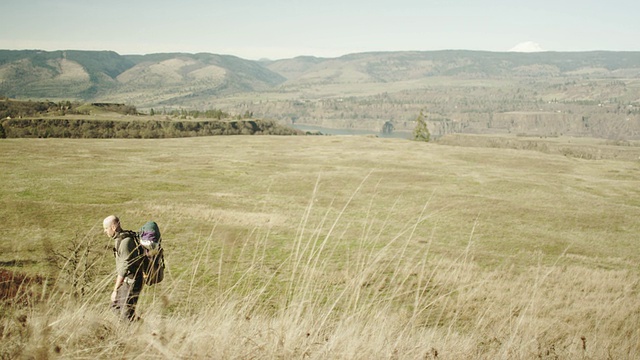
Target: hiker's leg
(132, 301)
(121, 299)
(115, 307)
(121, 305)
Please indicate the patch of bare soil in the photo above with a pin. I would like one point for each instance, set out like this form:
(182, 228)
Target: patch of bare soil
(16, 287)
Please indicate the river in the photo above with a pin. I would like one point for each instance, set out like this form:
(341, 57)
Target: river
(332, 131)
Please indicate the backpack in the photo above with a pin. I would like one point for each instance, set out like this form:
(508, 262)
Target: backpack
(150, 242)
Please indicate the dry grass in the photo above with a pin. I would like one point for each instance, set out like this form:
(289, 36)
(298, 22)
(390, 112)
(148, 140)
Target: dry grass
(329, 247)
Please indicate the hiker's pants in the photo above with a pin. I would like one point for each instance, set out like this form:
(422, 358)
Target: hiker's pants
(127, 298)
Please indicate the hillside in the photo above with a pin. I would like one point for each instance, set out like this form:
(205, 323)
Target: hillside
(544, 94)
(108, 77)
(594, 94)
(402, 66)
(322, 248)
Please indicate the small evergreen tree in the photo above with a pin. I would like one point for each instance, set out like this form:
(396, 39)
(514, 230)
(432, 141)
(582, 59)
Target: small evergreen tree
(421, 132)
(387, 128)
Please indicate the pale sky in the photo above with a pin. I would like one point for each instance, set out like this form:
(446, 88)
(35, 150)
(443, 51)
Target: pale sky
(254, 29)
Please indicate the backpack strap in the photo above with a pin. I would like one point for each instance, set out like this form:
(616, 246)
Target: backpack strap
(140, 259)
(125, 234)
(136, 240)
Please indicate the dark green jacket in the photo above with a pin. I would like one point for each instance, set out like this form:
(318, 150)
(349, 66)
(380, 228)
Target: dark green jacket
(129, 255)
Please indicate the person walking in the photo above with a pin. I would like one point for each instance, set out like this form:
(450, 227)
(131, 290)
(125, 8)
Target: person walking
(129, 269)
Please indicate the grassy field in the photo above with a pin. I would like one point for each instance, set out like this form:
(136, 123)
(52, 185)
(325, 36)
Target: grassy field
(324, 247)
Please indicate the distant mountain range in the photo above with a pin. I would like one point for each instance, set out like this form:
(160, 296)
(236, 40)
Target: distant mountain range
(397, 84)
(169, 78)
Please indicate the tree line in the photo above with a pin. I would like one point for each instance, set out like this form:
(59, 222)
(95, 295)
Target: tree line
(18, 109)
(136, 129)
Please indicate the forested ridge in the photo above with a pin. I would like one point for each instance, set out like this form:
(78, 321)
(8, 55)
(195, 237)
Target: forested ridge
(47, 119)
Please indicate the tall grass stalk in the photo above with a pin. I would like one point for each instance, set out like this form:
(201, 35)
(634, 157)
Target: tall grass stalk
(328, 295)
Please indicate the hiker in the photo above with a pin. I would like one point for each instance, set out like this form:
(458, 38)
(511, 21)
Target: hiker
(129, 266)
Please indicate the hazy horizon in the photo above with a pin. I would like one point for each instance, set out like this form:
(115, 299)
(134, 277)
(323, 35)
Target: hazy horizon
(255, 30)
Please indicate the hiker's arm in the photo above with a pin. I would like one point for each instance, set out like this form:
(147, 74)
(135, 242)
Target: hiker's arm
(124, 259)
(120, 270)
(119, 281)
(114, 294)
(121, 266)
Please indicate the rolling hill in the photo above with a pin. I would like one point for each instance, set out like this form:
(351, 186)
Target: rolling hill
(403, 66)
(145, 79)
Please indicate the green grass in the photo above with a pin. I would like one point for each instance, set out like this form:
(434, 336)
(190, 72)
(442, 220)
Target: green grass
(330, 247)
